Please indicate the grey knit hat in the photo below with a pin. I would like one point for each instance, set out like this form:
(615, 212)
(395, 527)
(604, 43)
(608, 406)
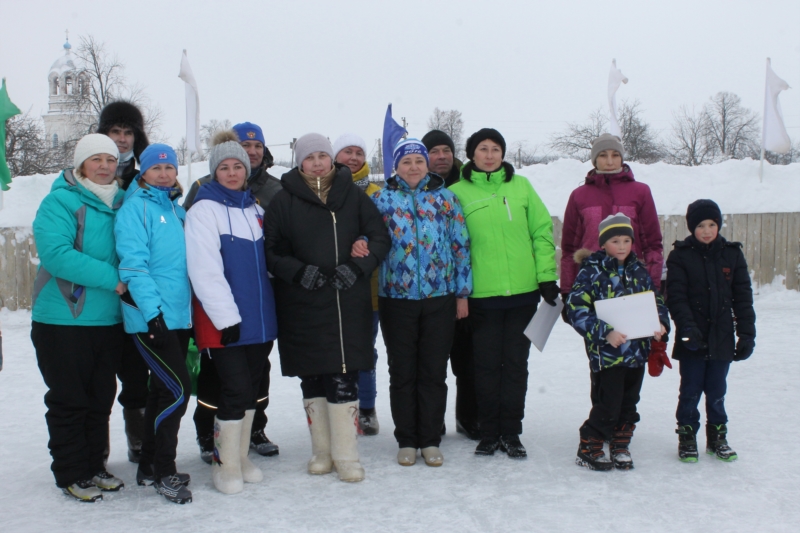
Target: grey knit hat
(310, 143)
(226, 146)
(614, 225)
(606, 142)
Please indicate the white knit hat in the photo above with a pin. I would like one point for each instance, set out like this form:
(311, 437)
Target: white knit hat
(348, 139)
(94, 143)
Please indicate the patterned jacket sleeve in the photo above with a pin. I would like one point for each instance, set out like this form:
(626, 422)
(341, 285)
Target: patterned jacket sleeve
(459, 240)
(581, 314)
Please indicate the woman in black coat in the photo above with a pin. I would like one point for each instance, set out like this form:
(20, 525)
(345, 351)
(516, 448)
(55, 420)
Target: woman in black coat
(323, 295)
(710, 299)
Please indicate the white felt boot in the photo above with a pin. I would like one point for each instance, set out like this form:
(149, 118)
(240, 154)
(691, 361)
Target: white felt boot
(320, 428)
(344, 449)
(250, 472)
(227, 465)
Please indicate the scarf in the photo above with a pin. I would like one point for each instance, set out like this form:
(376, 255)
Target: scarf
(106, 193)
(361, 178)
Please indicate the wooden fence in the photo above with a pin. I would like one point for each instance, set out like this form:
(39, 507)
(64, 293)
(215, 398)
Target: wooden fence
(771, 245)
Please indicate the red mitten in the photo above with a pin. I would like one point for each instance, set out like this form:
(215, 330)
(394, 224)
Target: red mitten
(658, 358)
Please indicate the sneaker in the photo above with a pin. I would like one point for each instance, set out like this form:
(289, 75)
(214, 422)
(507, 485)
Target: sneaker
(84, 491)
(206, 445)
(487, 446)
(471, 430)
(512, 446)
(687, 444)
(173, 489)
(107, 482)
(262, 445)
(592, 456)
(368, 422)
(145, 476)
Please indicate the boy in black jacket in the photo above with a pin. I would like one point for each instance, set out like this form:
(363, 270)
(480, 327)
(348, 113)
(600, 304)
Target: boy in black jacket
(710, 299)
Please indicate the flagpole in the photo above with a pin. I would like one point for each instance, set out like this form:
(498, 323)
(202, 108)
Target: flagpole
(764, 126)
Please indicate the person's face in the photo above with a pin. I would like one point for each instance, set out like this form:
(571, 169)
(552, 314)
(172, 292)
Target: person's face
(161, 175)
(255, 151)
(441, 158)
(618, 247)
(353, 157)
(317, 164)
(608, 160)
(488, 156)
(412, 168)
(100, 168)
(123, 137)
(231, 174)
(706, 231)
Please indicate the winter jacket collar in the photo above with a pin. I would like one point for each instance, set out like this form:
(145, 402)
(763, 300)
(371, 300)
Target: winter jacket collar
(431, 182)
(67, 181)
(714, 246)
(215, 191)
(488, 180)
(594, 178)
(610, 264)
(342, 181)
(320, 184)
(162, 195)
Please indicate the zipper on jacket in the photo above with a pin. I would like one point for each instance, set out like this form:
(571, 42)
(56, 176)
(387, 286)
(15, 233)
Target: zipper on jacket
(508, 208)
(338, 301)
(416, 247)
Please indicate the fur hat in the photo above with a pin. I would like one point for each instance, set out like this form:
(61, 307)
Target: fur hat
(481, 135)
(93, 144)
(438, 138)
(122, 113)
(348, 139)
(606, 142)
(310, 143)
(225, 145)
(613, 226)
(701, 210)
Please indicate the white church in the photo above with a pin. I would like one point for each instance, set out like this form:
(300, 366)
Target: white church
(65, 83)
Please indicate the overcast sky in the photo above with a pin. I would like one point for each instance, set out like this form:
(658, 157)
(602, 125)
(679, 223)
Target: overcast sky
(524, 67)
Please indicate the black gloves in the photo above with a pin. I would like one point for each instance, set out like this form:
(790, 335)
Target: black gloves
(230, 335)
(744, 348)
(549, 291)
(345, 276)
(695, 339)
(309, 277)
(564, 315)
(157, 331)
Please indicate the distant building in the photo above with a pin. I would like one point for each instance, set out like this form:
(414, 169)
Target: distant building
(65, 83)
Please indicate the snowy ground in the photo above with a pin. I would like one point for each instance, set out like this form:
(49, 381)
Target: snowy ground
(546, 492)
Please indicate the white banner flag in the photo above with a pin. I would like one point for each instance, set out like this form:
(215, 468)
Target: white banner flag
(615, 79)
(774, 138)
(193, 142)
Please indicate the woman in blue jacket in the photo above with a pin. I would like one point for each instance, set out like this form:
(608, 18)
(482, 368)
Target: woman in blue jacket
(157, 310)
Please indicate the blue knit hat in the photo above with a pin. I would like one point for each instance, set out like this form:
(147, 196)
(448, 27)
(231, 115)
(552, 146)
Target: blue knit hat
(157, 154)
(247, 131)
(409, 146)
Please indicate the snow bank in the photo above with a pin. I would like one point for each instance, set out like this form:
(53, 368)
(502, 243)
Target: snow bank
(733, 184)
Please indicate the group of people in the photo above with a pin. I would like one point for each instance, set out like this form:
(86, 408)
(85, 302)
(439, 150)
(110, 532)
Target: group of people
(447, 261)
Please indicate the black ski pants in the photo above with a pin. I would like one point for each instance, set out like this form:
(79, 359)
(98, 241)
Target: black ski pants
(240, 369)
(615, 393)
(79, 366)
(501, 367)
(133, 376)
(418, 336)
(462, 363)
(209, 388)
(335, 388)
(170, 389)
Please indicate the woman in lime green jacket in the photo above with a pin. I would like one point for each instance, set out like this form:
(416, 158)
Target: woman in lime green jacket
(513, 267)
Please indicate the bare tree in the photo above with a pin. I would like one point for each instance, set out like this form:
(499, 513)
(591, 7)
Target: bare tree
(686, 144)
(524, 155)
(211, 128)
(450, 122)
(576, 140)
(792, 156)
(640, 143)
(182, 151)
(731, 130)
(27, 151)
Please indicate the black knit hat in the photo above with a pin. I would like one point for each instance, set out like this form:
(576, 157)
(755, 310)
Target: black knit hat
(122, 113)
(701, 210)
(438, 138)
(481, 135)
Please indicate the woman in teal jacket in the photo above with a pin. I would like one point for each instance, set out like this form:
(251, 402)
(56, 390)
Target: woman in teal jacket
(513, 266)
(76, 329)
(157, 310)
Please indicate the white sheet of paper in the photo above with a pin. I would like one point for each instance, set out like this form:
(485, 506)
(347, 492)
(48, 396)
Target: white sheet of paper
(540, 326)
(634, 315)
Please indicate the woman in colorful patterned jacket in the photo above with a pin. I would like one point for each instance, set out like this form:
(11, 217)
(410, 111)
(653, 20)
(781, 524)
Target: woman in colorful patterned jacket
(423, 285)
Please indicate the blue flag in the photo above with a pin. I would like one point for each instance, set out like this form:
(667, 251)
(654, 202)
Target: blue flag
(392, 133)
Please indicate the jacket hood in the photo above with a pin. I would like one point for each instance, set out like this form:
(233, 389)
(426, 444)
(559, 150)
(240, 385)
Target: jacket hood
(625, 175)
(213, 190)
(431, 182)
(294, 184)
(67, 181)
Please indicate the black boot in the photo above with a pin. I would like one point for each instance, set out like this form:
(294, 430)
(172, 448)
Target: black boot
(487, 446)
(513, 447)
(134, 430)
(717, 443)
(592, 456)
(620, 441)
(687, 444)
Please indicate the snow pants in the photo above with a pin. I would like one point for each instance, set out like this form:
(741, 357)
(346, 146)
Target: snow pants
(367, 379)
(501, 367)
(615, 393)
(462, 363)
(335, 388)
(209, 389)
(240, 369)
(701, 376)
(79, 366)
(133, 376)
(418, 336)
(170, 389)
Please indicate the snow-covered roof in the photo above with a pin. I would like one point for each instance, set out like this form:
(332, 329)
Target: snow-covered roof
(64, 63)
